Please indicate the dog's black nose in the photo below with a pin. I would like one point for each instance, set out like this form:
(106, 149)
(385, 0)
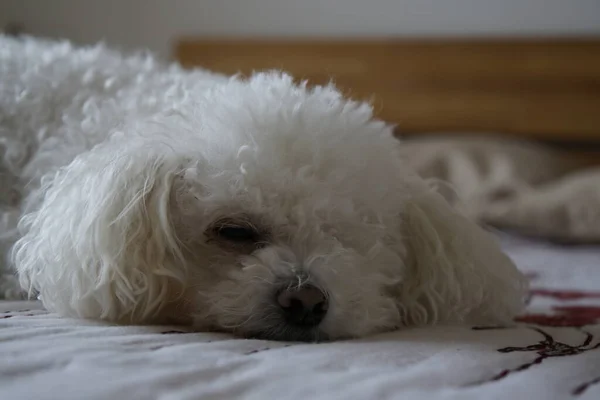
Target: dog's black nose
(305, 306)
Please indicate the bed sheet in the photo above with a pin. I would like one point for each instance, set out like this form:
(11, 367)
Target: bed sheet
(552, 352)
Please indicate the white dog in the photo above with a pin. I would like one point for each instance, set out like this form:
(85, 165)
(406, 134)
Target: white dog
(150, 194)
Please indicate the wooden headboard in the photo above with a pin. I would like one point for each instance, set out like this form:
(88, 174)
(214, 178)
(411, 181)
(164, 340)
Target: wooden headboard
(543, 88)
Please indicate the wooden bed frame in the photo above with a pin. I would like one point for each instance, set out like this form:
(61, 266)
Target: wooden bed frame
(545, 89)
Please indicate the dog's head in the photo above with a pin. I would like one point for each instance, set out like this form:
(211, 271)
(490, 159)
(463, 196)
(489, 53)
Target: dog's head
(266, 209)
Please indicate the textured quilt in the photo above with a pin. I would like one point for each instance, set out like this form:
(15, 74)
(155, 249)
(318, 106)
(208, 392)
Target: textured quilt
(551, 352)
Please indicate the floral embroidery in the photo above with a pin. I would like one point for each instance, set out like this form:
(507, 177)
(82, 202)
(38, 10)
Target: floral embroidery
(584, 386)
(566, 316)
(571, 316)
(564, 294)
(547, 348)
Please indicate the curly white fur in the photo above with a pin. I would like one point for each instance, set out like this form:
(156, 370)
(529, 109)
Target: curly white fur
(125, 165)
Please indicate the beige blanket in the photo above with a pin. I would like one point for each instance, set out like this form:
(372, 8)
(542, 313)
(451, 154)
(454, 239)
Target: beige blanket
(512, 184)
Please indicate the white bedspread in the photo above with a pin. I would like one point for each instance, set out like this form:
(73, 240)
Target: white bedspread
(554, 353)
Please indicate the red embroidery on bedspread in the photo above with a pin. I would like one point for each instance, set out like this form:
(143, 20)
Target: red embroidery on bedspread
(565, 316)
(574, 316)
(564, 294)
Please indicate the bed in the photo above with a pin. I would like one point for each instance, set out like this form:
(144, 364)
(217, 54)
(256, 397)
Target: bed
(535, 89)
(553, 352)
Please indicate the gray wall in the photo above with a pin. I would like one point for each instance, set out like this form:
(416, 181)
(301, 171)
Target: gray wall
(155, 24)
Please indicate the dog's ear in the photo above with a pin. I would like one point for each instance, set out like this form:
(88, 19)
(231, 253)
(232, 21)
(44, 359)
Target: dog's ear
(457, 272)
(101, 244)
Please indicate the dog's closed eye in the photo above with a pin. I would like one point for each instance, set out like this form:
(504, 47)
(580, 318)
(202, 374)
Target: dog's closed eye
(238, 233)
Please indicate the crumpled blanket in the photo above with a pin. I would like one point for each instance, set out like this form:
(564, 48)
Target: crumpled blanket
(512, 184)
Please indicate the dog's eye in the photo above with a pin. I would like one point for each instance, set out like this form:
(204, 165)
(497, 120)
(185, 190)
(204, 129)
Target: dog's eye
(239, 234)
